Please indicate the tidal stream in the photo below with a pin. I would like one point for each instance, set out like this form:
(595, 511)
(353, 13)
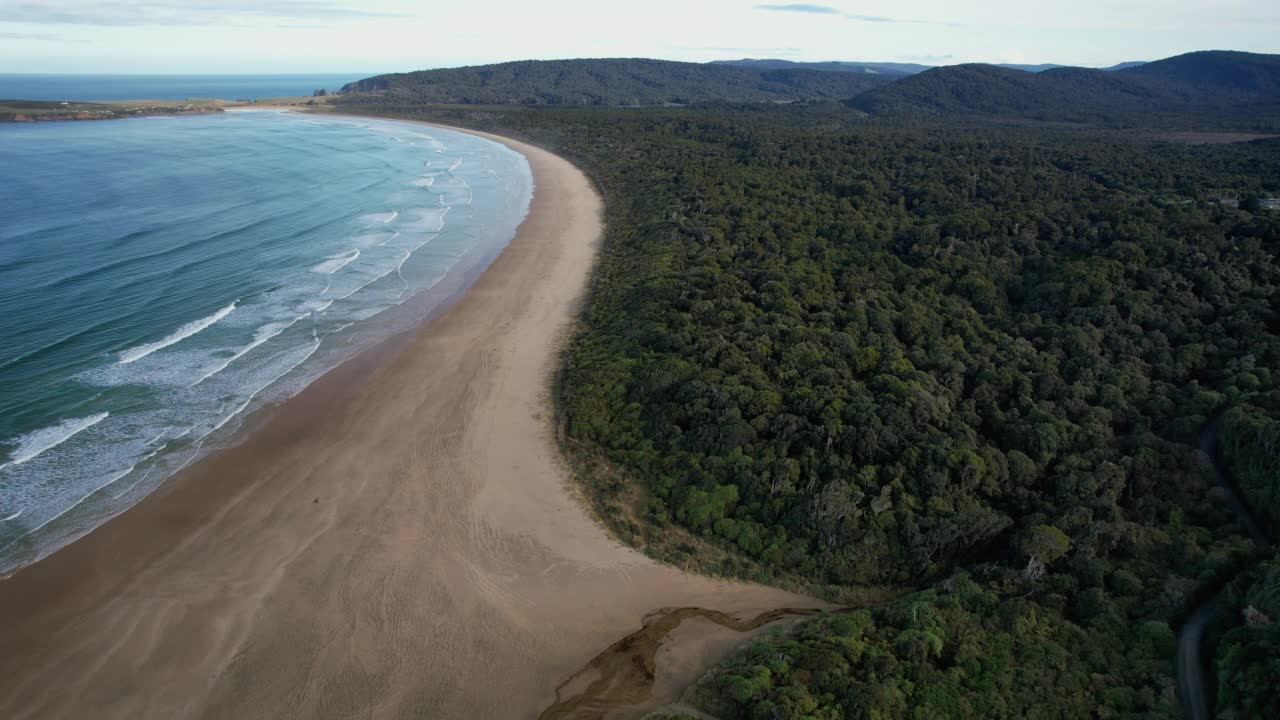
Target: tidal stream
(623, 675)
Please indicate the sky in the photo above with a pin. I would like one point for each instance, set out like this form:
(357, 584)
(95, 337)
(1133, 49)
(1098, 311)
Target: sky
(322, 36)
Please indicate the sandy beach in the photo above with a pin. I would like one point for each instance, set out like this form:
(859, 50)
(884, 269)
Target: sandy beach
(398, 540)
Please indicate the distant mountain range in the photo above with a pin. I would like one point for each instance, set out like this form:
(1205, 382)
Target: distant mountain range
(874, 68)
(883, 67)
(1127, 65)
(616, 82)
(1211, 89)
(1214, 88)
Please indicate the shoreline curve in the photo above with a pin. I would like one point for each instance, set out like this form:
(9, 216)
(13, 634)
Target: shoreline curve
(395, 540)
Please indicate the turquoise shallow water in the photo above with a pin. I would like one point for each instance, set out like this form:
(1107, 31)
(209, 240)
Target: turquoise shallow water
(160, 278)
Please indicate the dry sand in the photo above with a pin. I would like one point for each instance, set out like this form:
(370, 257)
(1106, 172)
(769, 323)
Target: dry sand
(398, 540)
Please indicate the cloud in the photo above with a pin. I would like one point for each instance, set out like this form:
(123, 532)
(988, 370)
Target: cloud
(875, 18)
(127, 13)
(770, 50)
(856, 17)
(37, 36)
(801, 8)
(925, 59)
(1013, 56)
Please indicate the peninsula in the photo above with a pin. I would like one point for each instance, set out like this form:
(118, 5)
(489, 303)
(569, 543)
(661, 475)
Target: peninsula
(50, 110)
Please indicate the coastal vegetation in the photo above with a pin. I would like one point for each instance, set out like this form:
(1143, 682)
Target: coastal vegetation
(1248, 652)
(972, 373)
(41, 110)
(1253, 456)
(969, 358)
(1214, 90)
(614, 82)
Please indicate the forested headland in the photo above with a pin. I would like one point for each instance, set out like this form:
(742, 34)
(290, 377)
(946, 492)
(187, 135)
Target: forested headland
(963, 359)
(619, 81)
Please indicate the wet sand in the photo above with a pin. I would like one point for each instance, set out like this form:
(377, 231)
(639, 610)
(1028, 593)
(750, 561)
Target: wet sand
(398, 540)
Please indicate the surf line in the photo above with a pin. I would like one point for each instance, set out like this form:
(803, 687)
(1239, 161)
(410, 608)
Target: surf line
(36, 443)
(182, 333)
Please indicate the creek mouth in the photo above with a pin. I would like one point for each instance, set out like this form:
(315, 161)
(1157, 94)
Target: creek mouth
(623, 675)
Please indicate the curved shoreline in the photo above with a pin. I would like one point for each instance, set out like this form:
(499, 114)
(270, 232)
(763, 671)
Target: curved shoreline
(397, 539)
(396, 284)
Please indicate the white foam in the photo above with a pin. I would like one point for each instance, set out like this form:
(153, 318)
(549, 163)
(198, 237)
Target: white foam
(156, 439)
(435, 216)
(91, 493)
(112, 465)
(395, 268)
(334, 263)
(36, 442)
(380, 218)
(263, 334)
(135, 484)
(315, 346)
(408, 254)
(178, 335)
(372, 240)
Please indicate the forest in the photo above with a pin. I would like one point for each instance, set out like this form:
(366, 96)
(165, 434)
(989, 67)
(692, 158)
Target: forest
(623, 81)
(970, 362)
(1202, 90)
(1208, 90)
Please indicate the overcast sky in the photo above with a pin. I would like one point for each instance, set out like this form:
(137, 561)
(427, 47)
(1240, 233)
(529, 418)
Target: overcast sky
(264, 36)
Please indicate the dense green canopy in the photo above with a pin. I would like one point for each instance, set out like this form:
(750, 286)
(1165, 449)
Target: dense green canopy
(619, 81)
(837, 353)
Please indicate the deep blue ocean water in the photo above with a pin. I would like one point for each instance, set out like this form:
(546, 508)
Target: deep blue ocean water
(162, 277)
(167, 87)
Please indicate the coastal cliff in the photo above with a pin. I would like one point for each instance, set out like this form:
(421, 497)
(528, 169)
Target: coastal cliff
(372, 84)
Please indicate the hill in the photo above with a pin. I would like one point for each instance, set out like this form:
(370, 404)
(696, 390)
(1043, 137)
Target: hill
(1212, 89)
(888, 68)
(884, 68)
(1030, 68)
(613, 82)
(1237, 71)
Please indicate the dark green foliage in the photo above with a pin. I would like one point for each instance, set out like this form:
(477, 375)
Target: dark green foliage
(1248, 655)
(613, 82)
(885, 68)
(1252, 451)
(963, 652)
(866, 354)
(1198, 90)
(1242, 71)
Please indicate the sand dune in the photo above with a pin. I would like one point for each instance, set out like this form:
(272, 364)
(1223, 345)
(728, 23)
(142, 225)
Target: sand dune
(395, 541)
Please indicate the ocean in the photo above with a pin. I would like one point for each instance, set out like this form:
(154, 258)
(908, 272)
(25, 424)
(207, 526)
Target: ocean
(167, 87)
(162, 277)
